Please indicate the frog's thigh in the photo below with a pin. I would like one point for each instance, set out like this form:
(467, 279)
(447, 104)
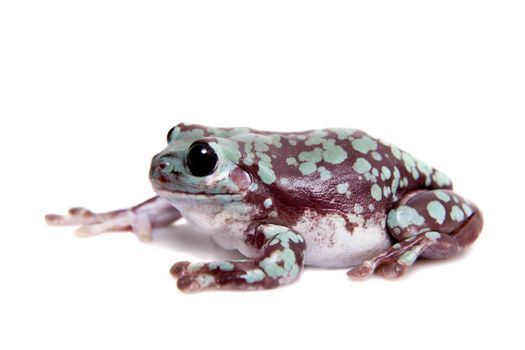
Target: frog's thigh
(434, 224)
(458, 221)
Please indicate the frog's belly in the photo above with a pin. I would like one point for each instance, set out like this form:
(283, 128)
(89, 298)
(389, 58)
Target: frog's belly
(330, 244)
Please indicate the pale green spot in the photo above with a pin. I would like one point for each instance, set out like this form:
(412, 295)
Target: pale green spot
(386, 191)
(358, 208)
(441, 179)
(266, 173)
(315, 138)
(376, 191)
(375, 172)
(192, 134)
(292, 142)
(325, 174)
(385, 173)
(342, 133)
(408, 258)
(334, 155)
(264, 157)
(433, 235)
(223, 266)
(260, 146)
(205, 280)
(342, 187)
(273, 269)
(376, 156)
(467, 209)
(271, 231)
(404, 217)
(195, 266)
(395, 151)
(370, 177)
(443, 196)
(253, 187)
(395, 181)
(362, 165)
(267, 202)
(307, 168)
(228, 133)
(456, 214)
(254, 275)
(364, 144)
(291, 161)
(314, 156)
(426, 170)
(230, 150)
(437, 211)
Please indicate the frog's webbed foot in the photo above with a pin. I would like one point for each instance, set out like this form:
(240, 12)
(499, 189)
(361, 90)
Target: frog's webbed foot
(140, 219)
(281, 262)
(434, 224)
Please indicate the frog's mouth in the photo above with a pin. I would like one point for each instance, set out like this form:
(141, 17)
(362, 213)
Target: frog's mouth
(198, 196)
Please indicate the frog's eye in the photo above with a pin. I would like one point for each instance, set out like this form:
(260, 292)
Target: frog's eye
(170, 134)
(201, 159)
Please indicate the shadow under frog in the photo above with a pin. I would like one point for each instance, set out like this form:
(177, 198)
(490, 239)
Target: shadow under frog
(325, 198)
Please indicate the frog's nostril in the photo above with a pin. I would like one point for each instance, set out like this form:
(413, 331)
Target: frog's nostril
(165, 165)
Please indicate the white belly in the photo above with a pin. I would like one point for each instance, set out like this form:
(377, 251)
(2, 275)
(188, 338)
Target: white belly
(330, 244)
(328, 241)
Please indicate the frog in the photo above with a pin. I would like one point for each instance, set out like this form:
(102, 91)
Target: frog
(328, 198)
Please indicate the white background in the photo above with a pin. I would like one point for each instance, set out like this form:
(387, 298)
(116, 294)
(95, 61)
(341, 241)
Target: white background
(89, 89)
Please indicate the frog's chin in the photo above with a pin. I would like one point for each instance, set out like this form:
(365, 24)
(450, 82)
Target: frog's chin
(175, 196)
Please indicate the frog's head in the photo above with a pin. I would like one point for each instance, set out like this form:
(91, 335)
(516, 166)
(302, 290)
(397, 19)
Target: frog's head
(197, 165)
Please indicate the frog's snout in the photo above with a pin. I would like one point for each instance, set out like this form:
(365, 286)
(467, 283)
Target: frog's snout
(164, 168)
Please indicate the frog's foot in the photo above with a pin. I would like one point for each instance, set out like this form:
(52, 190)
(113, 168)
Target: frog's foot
(392, 270)
(394, 261)
(281, 262)
(140, 219)
(434, 224)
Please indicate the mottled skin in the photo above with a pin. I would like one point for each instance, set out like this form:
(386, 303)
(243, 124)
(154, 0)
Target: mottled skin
(329, 198)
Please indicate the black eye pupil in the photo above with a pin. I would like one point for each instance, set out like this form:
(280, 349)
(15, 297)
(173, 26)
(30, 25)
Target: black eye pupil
(201, 159)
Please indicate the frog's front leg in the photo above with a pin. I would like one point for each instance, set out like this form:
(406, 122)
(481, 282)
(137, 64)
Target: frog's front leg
(140, 219)
(281, 261)
(434, 224)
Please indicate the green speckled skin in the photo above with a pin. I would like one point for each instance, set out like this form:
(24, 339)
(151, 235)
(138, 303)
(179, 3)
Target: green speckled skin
(329, 198)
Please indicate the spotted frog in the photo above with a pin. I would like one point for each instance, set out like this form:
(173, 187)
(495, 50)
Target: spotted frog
(330, 198)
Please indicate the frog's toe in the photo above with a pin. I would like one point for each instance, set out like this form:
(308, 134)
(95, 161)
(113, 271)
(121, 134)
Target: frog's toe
(195, 282)
(360, 272)
(187, 284)
(80, 211)
(179, 269)
(117, 224)
(392, 270)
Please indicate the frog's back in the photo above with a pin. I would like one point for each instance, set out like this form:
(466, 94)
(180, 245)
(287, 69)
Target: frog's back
(342, 169)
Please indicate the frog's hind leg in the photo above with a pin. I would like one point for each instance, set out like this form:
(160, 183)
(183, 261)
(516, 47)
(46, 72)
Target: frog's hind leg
(434, 224)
